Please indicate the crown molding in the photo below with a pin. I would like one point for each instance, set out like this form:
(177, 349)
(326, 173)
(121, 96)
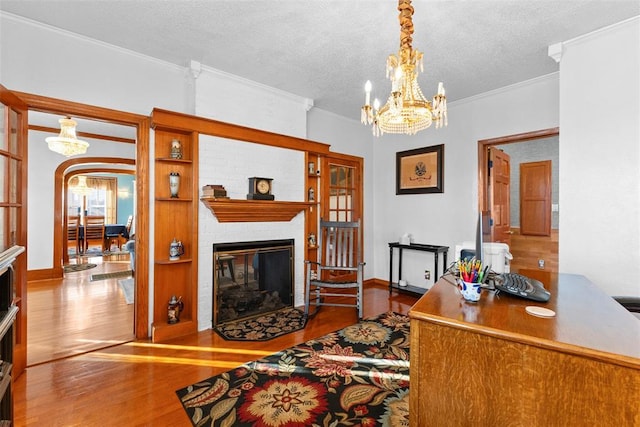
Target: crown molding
(36, 24)
(547, 77)
(307, 103)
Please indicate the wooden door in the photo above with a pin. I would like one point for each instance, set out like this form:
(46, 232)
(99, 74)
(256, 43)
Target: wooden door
(13, 209)
(342, 200)
(499, 195)
(535, 198)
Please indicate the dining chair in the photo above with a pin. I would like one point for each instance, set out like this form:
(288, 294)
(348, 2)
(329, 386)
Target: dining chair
(338, 273)
(73, 236)
(125, 238)
(94, 231)
(119, 236)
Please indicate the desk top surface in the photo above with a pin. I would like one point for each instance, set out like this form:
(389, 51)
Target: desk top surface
(587, 320)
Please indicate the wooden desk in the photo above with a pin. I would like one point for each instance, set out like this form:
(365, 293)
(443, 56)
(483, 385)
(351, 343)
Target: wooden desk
(579, 368)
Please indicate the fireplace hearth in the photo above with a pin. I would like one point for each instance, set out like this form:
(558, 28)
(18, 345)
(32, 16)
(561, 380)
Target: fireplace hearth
(251, 278)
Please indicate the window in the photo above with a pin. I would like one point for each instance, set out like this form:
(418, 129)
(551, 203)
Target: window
(102, 200)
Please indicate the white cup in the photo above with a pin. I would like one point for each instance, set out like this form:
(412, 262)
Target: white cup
(470, 291)
(402, 283)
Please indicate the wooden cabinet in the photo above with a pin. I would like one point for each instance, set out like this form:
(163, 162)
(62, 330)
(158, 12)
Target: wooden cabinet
(175, 217)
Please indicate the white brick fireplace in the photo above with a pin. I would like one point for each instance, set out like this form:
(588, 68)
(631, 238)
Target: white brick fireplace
(230, 163)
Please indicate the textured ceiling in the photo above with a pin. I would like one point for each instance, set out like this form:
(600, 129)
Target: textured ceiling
(326, 49)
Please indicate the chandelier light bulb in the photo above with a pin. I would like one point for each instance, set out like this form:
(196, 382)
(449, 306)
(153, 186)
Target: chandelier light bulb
(367, 91)
(406, 110)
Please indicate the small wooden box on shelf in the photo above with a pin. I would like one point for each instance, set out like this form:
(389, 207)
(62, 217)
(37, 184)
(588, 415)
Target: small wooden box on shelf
(176, 218)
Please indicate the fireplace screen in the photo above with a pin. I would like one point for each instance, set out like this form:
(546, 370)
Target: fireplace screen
(251, 278)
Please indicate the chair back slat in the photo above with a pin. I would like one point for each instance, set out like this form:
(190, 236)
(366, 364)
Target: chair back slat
(341, 243)
(94, 227)
(73, 221)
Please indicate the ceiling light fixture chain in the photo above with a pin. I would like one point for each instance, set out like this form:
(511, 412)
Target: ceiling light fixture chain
(406, 110)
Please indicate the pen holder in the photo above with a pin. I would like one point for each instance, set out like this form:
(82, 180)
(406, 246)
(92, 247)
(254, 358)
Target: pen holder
(470, 291)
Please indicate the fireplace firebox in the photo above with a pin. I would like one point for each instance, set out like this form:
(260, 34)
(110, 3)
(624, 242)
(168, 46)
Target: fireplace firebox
(251, 278)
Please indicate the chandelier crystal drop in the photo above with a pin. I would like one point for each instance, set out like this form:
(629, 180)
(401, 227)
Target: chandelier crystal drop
(406, 110)
(67, 143)
(81, 188)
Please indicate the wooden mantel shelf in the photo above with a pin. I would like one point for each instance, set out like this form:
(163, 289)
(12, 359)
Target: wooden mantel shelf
(236, 210)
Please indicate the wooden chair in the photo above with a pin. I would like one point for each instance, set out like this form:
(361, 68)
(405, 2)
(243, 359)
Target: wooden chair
(73, 236)
(339, 272)
(128, 225)
(94, 231)
(119, 238)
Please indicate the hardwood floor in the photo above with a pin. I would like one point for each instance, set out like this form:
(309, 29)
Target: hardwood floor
(133, 384)
(75, 315)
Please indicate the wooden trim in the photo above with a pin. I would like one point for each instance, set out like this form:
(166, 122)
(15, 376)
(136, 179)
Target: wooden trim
(59, 106)
(42, 274)
(142, 228)
(378, 283)
(163, 119)
(61, 181)
(483, 158)
(227, 210)
(62, 194)
(14, 103)
(142, 124)
(84, 134)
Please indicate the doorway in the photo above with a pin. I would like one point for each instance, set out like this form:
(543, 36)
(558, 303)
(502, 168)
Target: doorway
(529, 250)
(140, 125)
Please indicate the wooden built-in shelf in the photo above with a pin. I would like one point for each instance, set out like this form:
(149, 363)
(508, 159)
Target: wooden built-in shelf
(172, 261)
(174, 199)
(171, 160)
(237, 210)
(162, 331)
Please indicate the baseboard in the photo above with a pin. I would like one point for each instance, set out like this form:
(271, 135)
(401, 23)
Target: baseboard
(379, 283)
(44, 274)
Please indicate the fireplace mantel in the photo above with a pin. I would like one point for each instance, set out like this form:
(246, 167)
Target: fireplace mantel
(237, 210)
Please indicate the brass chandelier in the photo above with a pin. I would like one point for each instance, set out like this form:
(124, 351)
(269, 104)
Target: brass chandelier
(407, 110)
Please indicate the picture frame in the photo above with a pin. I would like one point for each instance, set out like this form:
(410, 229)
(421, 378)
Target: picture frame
(420, 170)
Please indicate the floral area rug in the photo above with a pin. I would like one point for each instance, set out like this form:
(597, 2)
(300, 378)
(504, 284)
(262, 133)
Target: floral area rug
(265, 327)
(357, 376)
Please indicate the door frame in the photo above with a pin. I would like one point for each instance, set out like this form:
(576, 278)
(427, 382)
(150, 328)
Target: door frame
(18, 106)
(61, 186)
(483, 157)
(142, 125)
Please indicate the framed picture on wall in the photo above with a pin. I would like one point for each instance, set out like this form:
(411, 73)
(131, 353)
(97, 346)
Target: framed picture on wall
(420, 170)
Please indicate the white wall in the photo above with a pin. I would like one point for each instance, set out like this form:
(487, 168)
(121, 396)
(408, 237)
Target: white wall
(231, 99)
(46, 61)
(600, 158)
(450, 217)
